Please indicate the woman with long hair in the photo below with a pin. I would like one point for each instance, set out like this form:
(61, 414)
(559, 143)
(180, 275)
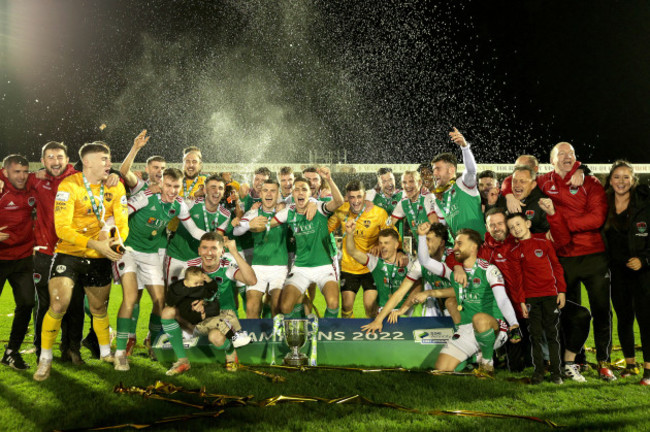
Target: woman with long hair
(628, 246)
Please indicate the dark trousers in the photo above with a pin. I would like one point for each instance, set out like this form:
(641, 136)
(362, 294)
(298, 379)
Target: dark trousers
(574, 322)
(593, 272)
(73, 321)
(631, 297)
(519, 353)
(544, 319)
(19, 275)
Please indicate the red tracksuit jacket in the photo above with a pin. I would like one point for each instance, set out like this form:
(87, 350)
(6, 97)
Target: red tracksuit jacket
(16, 207)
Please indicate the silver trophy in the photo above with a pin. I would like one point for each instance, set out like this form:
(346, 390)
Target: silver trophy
(295, 333)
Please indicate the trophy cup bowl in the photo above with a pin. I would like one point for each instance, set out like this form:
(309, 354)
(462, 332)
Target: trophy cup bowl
(295, 334)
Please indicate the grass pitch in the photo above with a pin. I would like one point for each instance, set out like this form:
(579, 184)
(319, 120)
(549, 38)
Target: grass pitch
(83, 397)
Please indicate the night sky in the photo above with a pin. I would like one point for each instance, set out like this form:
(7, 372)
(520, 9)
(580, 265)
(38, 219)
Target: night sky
(267, 81)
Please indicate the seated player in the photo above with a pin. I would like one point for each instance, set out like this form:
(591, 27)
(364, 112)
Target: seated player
(483, 304)
(195, 300)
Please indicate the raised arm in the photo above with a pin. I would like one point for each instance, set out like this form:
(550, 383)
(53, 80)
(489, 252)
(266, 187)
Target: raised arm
(125, 169)
(246, 274)
(337, 198)
(469, 175)
(350, 247)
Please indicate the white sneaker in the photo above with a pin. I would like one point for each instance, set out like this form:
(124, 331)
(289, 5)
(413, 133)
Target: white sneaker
(43, 371)
(573, 371)
(240, 339)
(121, 362)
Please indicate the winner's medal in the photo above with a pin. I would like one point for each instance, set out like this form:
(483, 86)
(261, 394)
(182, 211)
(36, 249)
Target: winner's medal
(460, 308)
(154, 233)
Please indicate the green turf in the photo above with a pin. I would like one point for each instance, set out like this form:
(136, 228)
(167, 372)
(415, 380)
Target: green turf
(82, 397)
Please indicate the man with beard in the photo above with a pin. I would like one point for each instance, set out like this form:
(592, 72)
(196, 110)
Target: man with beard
(371, 219)
(319, 190)
(459, 202)
(83, 254)
(488, 187)
(17, 201)
(55, 160)
(482, 302)
(270, 256)
(426, 174)
(388, 196)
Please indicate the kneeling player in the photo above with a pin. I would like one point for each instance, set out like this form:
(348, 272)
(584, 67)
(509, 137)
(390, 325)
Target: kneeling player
(195, 300)
(483, 304)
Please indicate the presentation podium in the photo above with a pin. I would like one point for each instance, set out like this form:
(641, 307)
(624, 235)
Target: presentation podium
(410, 343)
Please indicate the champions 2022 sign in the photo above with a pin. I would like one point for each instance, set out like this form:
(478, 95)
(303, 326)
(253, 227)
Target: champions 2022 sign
(410, 343)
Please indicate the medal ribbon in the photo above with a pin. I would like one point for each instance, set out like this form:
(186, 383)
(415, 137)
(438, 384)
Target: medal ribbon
(445, 209)
(410, 212)
(392, 277)
(98, 209)
(355, 219)
(209, 226)
(461, 290)
(188, 192)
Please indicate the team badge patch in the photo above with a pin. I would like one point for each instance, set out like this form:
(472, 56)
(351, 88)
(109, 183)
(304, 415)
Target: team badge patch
(573, 190)
(476, 281)
(172, 212)
(530, 214)
(60, 268)
(401, 270)
(31, 201)
(366, 223)
(123, 200)
(37, 278)
(539, 253)
(62, 196)
(641, 227)
(121, 266)
(108, 197)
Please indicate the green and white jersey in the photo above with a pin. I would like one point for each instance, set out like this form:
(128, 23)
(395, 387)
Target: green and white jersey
(388, 277)
(245, 241)
(248, 202)
(270, 246)
(141, 185)
(460, 205)
(388, 203)
(313, 239)
(183, 246)
(225, 277)
(413, 213)
(148, 219)
(431, 282)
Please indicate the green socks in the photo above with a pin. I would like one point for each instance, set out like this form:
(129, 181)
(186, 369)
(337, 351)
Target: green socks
(486, 342)
(331, 313)
(175, 335)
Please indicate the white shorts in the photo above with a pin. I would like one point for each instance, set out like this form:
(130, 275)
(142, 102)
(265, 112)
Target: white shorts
(463, 344)
(147, 267)
(175, 269)
(268, 276)
(302, 277)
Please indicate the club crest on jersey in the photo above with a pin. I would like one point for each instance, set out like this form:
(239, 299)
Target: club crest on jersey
(60, 268)
(573, 190)
(151, 221)
(31, 201)
(366, 223)
(394, 203)
(172, 212)
(539, 253)
(530, 214)
(476, 282)
(37, 278)
(401, 270)
(108, 197)
(641, 226)
(385, 281)
(121, 266)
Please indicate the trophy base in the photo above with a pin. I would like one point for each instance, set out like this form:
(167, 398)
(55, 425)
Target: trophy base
(296, 361)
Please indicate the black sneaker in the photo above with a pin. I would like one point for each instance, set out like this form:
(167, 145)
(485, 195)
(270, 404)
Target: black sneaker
(537, 379)
(73, 356)
(14, 360)
(92, 346)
